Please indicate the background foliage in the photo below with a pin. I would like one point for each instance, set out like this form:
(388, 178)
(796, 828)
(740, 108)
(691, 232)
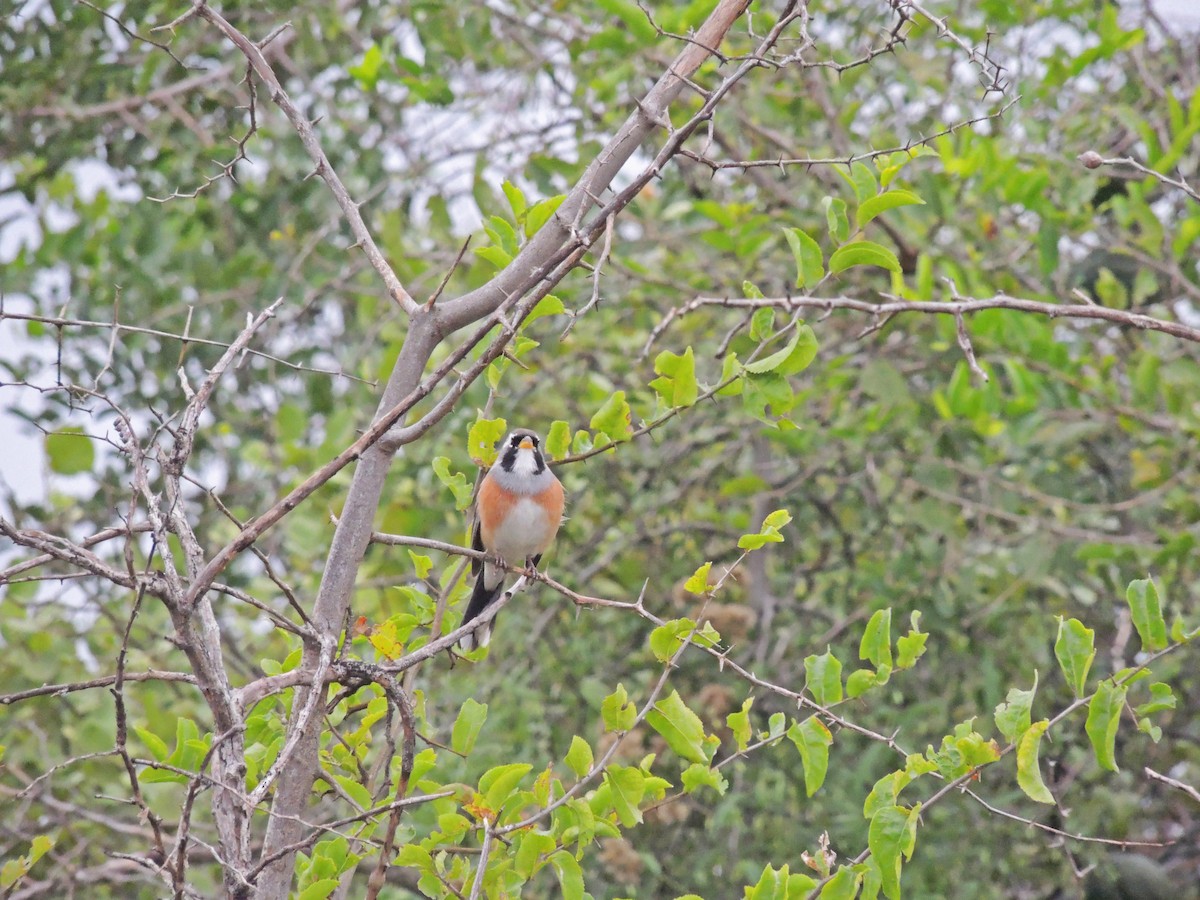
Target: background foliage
(995, 509)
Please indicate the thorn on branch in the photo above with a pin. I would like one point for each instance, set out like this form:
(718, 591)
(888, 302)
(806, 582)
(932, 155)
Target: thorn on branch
(964, 342)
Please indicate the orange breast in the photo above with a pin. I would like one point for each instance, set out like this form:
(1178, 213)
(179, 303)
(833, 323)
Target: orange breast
(507, 526)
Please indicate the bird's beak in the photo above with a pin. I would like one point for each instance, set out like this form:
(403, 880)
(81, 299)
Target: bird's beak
(526, 444)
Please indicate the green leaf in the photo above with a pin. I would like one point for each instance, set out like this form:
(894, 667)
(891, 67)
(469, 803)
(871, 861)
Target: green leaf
(570, 876)
(860, 681)
(842, 886)
(532, 846)
(699, 775)
(666, 639)
(558, 439)
(1161, 698)
(739, 724)
(1075, 649)
(873, 206)
(1142, 596)
(876, 644)
(156, 745)
(780, 884)
(863, 180)
(422, 564)
(762, 323)
(628, 785)
(70, 451)
(760, 392)
(494, 255)
(911, 646)
(730, 369)
(1013, 716)
(768, 533)
(698, 583)
(676, 383)
(795, 357)
(366, 72)
(810, 267)
(319, 890)
(1103, 719)
(614, 418)
(498, 784)
(467, 726)
(456, 481)
(824, 676)
(549, 305)
(541, 212)
(502, 234)
(516, 199)
(669, 637)
(482, 440)
(682, 728)
(38, 848)
(355, 791)
(892, 835)
(812, 738)
(804, 351)
(1029, 775)
(863, 253)
(835, 219)
(579, 757)
(618, 713)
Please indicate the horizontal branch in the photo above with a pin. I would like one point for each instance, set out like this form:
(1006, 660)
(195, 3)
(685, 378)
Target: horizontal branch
(58, 690)
(957, 306)
(118, 327)
(58, 548)
(255, 691)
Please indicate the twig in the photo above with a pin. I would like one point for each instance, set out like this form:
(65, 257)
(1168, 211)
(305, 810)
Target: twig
(964, 344)
(597, 271)
(1183, 786)
(481, 869)
(959, 305)
(312, 145)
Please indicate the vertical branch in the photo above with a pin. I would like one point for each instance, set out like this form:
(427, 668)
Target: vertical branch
(398, 700)
(118, 692)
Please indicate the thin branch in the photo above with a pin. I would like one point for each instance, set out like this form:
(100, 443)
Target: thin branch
(298, 725)
(1180, 785)
(1063, 834)
(959, 305)
(59, 690)
(118, 692)
(308, 137)
(597, 272)
(118, 327)
(1093, 160)
(481, 869)
(964, 344)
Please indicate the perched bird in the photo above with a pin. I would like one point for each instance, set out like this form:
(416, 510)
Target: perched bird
(517, 514)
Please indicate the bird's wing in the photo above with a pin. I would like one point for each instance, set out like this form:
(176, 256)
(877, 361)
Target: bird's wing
(476, 544)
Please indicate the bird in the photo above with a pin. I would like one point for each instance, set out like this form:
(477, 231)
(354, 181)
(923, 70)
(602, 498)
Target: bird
(518, 510)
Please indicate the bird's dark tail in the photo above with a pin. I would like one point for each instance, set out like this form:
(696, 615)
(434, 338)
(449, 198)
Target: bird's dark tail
(481, 598)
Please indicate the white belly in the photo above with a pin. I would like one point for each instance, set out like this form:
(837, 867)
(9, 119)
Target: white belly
(523, 534)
